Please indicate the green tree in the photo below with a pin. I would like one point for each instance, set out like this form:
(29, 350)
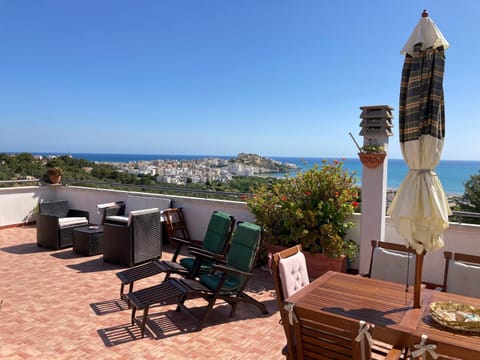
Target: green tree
(472, 193)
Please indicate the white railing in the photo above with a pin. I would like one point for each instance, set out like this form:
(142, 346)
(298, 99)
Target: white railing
(19, 205)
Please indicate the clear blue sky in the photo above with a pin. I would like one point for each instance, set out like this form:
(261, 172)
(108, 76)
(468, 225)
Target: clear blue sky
(219, 77)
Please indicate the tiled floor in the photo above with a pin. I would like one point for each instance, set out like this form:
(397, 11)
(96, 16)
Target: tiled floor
(60, 305)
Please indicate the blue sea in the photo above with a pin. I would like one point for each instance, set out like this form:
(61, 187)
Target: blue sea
(453, 173)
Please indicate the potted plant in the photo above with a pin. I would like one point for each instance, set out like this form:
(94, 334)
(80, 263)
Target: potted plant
(311, 209)
(55, 174)
(54, 171)
(372, 155)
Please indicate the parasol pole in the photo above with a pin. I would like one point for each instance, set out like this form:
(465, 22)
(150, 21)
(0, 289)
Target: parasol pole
(418, 257)
(418, 279)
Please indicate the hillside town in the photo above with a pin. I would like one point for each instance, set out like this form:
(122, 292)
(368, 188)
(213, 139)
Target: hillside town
(205, 170)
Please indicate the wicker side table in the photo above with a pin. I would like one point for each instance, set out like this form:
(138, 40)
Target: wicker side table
(88, 240)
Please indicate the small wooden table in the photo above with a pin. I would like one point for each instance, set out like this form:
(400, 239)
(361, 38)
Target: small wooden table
(385, 304)
(88, 240)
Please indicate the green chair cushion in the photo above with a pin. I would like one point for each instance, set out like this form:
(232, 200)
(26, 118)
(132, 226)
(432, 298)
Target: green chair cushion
(188, 263)
(244, 246)
(212, 281)
(217, 231)
(243, 250)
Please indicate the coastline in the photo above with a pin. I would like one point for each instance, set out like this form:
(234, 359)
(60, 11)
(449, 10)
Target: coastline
(452, 173)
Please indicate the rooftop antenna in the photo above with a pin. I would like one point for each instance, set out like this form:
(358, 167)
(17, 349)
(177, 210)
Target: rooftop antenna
(355, 141)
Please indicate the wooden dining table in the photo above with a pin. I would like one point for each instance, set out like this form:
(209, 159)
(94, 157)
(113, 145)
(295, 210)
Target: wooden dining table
(387, 305)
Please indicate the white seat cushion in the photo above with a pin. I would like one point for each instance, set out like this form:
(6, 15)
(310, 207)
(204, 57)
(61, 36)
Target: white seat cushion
(463, 279)
(103, 206)
(392, 266)
(117, 219)
(293, 273)
(69, 221)
(106, 205)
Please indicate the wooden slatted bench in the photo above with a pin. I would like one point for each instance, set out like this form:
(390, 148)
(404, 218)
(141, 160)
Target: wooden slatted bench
(160, 294)
(152, 268)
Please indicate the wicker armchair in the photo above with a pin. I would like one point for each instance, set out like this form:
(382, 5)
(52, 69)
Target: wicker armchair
(55, 224)
(116, 208)
(136, 242)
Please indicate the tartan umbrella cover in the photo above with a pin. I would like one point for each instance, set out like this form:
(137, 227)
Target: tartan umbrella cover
(420, 208)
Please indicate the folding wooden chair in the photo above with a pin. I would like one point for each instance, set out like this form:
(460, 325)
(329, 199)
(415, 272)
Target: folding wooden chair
(226, 282)
(215, 244)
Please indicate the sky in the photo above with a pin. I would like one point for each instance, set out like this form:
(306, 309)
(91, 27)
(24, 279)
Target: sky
(220, 77)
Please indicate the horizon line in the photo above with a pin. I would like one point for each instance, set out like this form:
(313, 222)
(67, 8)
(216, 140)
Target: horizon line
(205, 155)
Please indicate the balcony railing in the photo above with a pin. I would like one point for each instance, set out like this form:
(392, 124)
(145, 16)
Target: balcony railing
(158, 189)
(462, 215)
(19, 205)
(459, 217)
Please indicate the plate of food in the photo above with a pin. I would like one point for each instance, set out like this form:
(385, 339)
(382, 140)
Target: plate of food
(456, 316)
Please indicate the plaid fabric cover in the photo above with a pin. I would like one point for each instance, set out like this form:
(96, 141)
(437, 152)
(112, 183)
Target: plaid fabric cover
(421, 108)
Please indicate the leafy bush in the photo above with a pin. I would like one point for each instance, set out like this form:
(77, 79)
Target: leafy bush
(472, 192)
(310, 208)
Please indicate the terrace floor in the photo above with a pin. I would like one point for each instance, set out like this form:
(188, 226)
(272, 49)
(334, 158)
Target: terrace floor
(60, 305)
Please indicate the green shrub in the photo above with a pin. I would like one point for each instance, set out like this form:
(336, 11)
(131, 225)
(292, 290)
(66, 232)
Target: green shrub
(310, 208)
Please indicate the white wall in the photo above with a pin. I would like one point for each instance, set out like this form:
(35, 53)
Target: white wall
(18, 204)
(198, 211)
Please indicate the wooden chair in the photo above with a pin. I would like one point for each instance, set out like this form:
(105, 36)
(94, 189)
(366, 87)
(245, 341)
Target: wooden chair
(321, 335)
(426, 348)
(215, 244)
(226, 282)
(391, 262)
(176, 227)
(462, 274)
(298, 276)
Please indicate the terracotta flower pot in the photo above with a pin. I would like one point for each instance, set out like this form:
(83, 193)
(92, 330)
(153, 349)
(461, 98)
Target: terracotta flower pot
(54, 175)
(55, 179)
(372, 160)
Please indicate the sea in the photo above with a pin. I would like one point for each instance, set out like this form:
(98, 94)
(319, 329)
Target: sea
(452, 173)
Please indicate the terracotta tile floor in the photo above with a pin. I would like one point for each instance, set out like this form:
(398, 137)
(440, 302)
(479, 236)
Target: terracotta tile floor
(60, 305)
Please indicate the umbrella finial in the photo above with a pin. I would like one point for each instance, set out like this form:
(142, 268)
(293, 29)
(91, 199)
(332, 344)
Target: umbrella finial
(424, 13)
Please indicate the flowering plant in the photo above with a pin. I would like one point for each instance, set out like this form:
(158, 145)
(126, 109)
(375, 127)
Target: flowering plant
(310, 208)
(372, 149)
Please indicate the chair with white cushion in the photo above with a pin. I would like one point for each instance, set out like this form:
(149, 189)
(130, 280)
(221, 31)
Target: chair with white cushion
(392, 262)
(118, 212)
(55, 224)
(110, 209)
(289, 268)
(462, 274)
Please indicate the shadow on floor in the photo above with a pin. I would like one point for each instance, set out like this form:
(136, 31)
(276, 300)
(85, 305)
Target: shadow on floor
(95, 265)
(109, 306)
(168, 322)
(22, 249)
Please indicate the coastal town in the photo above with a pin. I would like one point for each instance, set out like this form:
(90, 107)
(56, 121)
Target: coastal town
(194, 171)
